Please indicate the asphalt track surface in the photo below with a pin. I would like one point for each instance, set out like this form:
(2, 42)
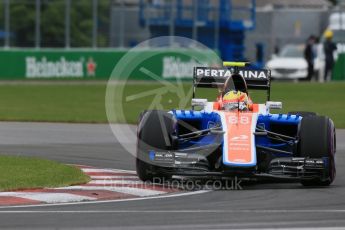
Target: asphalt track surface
(284, 205)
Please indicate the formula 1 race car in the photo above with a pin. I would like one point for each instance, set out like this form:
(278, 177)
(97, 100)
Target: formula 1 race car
(236, 137)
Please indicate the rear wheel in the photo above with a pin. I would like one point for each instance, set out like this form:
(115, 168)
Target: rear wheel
(154, 134)
(317, 140)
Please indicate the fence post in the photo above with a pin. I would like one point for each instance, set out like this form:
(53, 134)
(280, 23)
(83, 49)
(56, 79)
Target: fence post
(7, 23)
(216, 28)
(67, 24)
(95, 23)
(38, 24)
(122, 25)
(195, 20)
(172, 21)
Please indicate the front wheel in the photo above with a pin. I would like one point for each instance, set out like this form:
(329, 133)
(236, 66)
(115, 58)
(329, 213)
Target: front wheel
(317, 140)
(155, 132)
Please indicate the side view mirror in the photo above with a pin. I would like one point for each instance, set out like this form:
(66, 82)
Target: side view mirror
(199, 102)
(274, 105)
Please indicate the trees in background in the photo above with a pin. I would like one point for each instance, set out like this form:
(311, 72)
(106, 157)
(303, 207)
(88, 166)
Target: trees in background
(22, 22)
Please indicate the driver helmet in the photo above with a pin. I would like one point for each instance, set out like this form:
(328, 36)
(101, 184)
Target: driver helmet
(235, 100)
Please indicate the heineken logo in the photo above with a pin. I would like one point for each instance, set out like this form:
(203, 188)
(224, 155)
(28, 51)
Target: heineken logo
(44, 68)
(91, 66)
(174, 67)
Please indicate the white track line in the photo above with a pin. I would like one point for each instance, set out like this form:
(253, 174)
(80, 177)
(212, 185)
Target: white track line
(48, 197)
(113, 177)
(123, 170)
(117, 182)
(128, 190)
(184, 211)
(110, 201)
(118, 170)
(174, 211)
(302, 228)
(91, 170)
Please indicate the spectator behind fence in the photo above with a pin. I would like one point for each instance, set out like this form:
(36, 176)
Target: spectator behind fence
(309, 55)
(328, 48)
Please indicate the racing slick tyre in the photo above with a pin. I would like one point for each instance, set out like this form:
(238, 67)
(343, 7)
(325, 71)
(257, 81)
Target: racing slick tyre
(302, 113)
(317, 140)
(154, 134)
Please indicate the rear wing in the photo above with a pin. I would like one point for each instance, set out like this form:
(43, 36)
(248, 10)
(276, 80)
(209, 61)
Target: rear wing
(212, 77)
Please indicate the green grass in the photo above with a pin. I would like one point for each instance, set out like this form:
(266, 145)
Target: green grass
(29, 172)
(86, 102)
(50, 102)
(324, 99)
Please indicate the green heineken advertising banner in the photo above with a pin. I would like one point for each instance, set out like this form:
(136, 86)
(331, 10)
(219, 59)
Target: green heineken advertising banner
(339, 68)
(96, 64)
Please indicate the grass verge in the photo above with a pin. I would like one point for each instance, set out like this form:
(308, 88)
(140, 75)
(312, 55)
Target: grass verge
(30, 172)
(86, 102)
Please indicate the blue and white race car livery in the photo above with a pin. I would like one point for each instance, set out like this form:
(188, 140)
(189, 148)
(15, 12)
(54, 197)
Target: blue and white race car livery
(213, 140)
